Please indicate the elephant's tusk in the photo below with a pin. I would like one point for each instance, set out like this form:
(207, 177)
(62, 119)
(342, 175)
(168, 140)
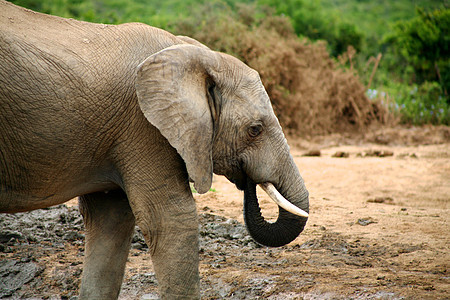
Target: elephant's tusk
(281, 201)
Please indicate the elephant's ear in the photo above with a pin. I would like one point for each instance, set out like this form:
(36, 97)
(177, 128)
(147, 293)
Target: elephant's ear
(172, 88)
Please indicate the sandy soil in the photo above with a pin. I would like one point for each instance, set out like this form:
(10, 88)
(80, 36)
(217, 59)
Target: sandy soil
(378, 229)
(378, 225)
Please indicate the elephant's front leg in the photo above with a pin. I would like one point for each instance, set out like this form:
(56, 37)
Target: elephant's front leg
(168, 219)
(109, 224)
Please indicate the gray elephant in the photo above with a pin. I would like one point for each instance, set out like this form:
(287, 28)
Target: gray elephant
(124, 116)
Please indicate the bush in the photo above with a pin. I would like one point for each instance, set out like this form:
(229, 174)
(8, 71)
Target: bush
(423, 43)
(424, 104)
(416, 104)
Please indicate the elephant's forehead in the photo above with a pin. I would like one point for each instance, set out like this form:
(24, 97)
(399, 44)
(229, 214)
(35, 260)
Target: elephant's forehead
(254, 95)
(242, 86)
(252, 105)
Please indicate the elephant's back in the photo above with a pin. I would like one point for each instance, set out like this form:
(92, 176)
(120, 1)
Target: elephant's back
(81, 46)
(60, 64)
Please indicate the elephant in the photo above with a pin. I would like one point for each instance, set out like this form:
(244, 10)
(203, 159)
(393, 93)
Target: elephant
(125, 117)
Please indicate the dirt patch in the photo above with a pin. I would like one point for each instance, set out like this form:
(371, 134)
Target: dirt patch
(41, 253)
(378, 230)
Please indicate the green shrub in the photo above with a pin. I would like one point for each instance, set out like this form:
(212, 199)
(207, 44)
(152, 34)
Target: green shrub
(310, 20)
(423, 44)
(416, 104)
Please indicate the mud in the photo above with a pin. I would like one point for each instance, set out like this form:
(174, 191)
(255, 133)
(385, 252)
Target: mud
(378, 230)
(37, 253)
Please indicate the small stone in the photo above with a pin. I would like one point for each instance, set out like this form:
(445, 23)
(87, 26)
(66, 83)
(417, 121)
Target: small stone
(366, 221)
(386, 199)
(341, 154)
(312, 152)
(379, 153)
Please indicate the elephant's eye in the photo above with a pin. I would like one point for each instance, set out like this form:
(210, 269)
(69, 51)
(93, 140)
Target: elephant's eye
(255, 130)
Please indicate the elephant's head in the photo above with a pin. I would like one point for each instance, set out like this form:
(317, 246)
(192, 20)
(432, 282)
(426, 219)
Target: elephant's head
(214, 110)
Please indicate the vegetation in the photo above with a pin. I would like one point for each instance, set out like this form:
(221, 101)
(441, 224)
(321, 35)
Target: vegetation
(413, 41)
(353, 61)
(421, 47)
(309, 19)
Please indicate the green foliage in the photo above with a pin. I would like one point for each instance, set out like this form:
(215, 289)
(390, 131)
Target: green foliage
(373, 17)
(152, 12)
(309, 19)
(416, 104)
(414, 70)
(423, 43)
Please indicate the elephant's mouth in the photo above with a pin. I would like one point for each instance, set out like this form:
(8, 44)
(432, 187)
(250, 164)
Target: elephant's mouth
(239, 182)
(238, 178)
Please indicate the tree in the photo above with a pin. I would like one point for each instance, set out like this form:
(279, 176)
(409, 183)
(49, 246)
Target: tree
(423, 43)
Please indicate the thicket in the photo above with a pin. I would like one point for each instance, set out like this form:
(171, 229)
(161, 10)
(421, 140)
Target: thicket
(417, 67)
(327, 65)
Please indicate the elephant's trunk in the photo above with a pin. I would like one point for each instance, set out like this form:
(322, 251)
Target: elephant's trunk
(288, 225)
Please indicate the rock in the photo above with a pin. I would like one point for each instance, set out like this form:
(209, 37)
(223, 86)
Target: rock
(8, 235)
(379, 153)
(341, 154)
(73, 236)
(14, 274)
(366, 221)
(386, 199)
(312, 152)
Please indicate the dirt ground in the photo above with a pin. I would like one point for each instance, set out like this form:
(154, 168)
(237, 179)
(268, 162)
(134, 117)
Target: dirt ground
(378, 229)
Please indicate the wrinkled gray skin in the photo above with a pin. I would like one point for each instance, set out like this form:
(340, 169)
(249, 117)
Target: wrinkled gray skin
(123, 116)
